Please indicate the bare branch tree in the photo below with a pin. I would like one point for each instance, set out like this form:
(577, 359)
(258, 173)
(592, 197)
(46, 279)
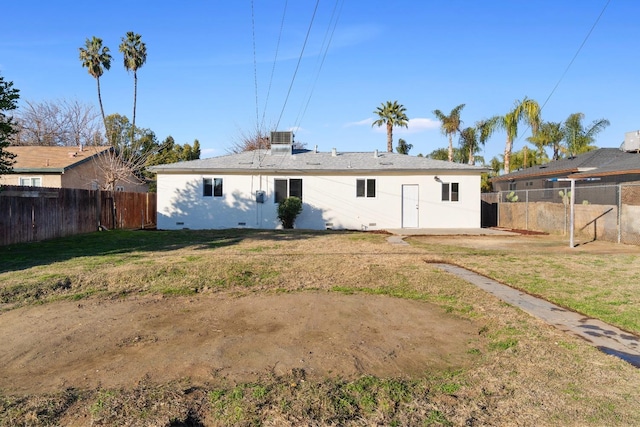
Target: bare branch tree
(60, 122)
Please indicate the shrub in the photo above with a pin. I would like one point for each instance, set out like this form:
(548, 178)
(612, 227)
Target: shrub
(288, 211)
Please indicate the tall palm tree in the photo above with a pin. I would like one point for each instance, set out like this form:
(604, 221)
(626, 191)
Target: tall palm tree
(96, 59)
(134, 51)
(485, 129)
(549, 135)
(391, 114)
(527, 110)
(450, 125)
(579, 139)
(469, 143)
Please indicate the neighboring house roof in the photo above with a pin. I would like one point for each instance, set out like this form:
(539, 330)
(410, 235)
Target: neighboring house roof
(592, 163)
(45, 159)
(311, 161)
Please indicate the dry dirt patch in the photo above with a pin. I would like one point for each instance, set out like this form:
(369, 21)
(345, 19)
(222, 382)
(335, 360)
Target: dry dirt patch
(114, 343)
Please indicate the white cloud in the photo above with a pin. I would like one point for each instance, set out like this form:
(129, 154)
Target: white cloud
(365, 122)
(419, 124)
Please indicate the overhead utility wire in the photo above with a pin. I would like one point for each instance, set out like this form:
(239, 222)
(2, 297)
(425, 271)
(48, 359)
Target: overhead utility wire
(298, 64)
(255, 66)
(570, 63)
(326, 49)
(576, 54)
(273, 69)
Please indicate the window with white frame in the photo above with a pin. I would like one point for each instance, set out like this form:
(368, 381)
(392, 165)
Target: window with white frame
(450, 191)
(287, 188)
(31, 181)
(365, 188)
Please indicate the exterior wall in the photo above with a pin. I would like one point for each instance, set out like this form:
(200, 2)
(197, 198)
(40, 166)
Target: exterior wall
(84, 174)
(329, 201)
(81, 176)
(48, 180)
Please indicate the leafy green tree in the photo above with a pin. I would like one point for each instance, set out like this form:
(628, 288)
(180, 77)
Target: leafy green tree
(170, 152)
(128, 158)
(134, 51)
(526, 110)
(578, 138)
(524, 158)
(443, 154)
(549, 135)
(96, 58)
(450, 125)
(8, 102)
(403, 147)
(391, 114)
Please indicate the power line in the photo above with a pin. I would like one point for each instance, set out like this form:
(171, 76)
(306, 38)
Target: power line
(326, 49)
(576, 54)
(264, 111)
(255, 65)
(298, 64)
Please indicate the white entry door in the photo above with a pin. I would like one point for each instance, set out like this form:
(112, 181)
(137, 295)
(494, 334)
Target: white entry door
(410, 206)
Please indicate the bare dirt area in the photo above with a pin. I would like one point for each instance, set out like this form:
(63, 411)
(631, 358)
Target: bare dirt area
(115, 343)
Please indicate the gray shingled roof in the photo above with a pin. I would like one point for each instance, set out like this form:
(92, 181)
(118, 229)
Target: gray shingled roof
(588, 163)
(305, 161)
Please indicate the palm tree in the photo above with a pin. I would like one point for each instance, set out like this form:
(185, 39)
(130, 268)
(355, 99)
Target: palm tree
(134, 51)
(527, 110)
(485, 129)
(549, 135)
(450, 125)
(96, 59)
(469, 143)
(578, 138)
(391, 114)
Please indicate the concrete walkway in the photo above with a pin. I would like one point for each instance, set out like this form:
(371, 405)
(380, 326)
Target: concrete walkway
(450, 232)
(605, 337)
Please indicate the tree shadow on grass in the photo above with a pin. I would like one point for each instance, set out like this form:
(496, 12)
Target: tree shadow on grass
(118, 242)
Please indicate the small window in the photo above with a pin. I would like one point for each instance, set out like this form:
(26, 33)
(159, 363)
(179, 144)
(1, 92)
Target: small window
(366, 188)
(212, 187)
(119, 188)
(207, 184)
(31, 182)
(445, 192)
(281, 187)
(450, 192)
(217, 187)
(295, 188)
(454, 191)
(287, 188)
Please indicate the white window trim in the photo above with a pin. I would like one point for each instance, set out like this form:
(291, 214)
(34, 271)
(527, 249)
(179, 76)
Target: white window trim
(31, 178)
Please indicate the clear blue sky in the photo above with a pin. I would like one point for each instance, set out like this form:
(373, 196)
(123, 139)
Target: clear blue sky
(199, 81)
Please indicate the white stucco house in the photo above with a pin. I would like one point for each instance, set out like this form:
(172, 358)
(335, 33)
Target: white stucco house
(353, 190)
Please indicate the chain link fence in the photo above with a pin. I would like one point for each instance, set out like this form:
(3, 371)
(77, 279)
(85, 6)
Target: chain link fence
(601, 212)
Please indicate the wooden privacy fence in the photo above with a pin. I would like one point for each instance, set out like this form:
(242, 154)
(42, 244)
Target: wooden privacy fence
(29, 214)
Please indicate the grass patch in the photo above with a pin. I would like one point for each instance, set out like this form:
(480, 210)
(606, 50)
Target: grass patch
(520, 369)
